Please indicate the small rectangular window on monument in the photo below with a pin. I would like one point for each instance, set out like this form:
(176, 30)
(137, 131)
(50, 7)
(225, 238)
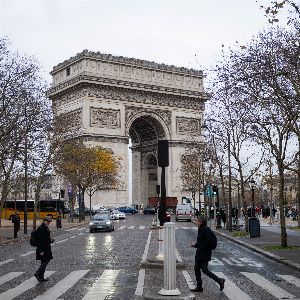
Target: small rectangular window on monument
(68, 71)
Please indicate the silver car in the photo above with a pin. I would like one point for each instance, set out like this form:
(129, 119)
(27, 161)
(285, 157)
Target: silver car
(101, 222)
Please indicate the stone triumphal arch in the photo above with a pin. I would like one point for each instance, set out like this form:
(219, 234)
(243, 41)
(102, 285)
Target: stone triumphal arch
(113, 100)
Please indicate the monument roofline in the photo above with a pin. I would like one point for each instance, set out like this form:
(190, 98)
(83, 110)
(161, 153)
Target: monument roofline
(126, 61)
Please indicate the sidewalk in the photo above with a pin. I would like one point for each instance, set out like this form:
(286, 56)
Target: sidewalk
(7, 229)
(270, 236)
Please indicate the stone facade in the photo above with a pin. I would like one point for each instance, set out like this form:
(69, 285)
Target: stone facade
(114, 99)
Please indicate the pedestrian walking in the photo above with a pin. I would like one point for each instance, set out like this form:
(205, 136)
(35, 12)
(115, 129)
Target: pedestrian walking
(15, 219)
(203, 255)
(58, 222)
(43, 250)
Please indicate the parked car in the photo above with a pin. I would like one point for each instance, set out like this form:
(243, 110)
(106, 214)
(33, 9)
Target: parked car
(101, 222)
(127, 210)
(116, 215)
(149, 210)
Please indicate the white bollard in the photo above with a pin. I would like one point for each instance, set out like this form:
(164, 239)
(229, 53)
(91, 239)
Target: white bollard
(160, 255)
(169, 288)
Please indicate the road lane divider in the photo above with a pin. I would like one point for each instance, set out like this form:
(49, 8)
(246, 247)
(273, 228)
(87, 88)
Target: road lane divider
(6, 261)
(147, 247)
(140, 284)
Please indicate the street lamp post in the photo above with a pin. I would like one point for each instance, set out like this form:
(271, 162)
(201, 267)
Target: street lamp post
(252, 184)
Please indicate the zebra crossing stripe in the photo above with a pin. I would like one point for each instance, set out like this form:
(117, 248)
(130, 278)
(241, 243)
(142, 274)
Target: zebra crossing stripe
(103, 286)
(23, 287)
(121, 227)
(234, 263)
(268, 286)
(142, 227)
(6, 261)
(62, 286)
(291, 279)
(231, 290)
(131, 227)
(9, 276)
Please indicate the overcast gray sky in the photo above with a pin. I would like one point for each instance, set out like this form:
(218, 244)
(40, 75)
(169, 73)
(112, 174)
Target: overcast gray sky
(164, 31)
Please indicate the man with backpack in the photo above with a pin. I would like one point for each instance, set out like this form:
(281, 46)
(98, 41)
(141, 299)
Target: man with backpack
(206, 242)
(43, 248)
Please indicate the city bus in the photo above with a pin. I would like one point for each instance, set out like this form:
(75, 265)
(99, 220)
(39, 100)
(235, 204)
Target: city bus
(45, 208)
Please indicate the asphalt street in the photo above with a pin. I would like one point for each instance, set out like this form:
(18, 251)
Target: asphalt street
(107, 265)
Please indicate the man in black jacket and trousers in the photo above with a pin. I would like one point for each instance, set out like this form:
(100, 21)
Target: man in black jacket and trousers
(43, 250)
(203, 256)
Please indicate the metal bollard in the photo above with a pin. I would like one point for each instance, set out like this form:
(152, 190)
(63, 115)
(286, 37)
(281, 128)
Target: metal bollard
(160, 255)
(169, 288)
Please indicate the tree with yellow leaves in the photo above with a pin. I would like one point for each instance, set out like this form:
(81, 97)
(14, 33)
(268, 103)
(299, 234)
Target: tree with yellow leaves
(86, 168)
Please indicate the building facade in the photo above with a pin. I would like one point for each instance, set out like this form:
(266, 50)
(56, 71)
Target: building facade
(113, 101)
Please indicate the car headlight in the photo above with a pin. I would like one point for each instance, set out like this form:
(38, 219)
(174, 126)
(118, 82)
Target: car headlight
(107, 222)
(91, 223)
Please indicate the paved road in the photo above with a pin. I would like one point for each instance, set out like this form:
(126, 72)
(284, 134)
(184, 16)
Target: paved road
(107, 266)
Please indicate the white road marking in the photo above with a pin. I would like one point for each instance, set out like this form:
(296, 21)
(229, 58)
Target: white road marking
(121, 227)
(215, 262)
(23, 287)
(81, 233)
(232, 291)
(188, 279)
(73, 236)
(291, 279)
(6, 261)
(251, 262)
(103, 286)
(27, 253)
(185, 227)
(147, 247)
(178, 257)
(131, 227)
(142, 227)
(62, 286)
(140, 284)
(61, 241)
(9, 276)
(71, 229)
(234, 263)
(268, 286)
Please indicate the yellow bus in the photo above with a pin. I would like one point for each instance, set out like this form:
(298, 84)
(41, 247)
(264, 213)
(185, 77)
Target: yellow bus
(45, 208)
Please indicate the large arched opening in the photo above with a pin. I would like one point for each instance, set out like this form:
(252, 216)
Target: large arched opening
(144, 131)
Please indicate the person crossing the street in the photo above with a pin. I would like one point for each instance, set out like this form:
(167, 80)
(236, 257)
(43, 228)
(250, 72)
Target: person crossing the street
(43, 250)
(203, 255)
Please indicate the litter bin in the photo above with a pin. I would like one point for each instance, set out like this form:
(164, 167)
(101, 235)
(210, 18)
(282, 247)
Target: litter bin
(254, 227)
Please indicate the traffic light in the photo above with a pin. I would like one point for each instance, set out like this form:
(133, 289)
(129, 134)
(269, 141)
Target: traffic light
(215, 189)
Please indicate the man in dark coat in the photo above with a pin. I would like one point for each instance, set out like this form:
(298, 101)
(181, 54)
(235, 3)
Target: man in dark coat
(43, 250)
(203, 256)
(16, 221)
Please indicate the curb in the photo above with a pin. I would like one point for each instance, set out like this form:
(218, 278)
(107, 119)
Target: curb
(265, 253)
(158, 264)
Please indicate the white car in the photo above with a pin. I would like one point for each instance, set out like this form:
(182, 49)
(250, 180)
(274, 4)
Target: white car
(116, 215)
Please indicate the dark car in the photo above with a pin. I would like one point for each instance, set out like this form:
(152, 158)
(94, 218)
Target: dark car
(149, 210)
(127, 210)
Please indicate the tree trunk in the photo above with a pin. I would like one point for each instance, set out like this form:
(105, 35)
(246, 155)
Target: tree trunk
(283, 235)
(298, 185)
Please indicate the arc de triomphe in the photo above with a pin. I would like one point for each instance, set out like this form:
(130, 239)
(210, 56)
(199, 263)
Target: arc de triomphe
(111, 99)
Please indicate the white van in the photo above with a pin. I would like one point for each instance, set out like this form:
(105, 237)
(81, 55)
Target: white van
(183, 212)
